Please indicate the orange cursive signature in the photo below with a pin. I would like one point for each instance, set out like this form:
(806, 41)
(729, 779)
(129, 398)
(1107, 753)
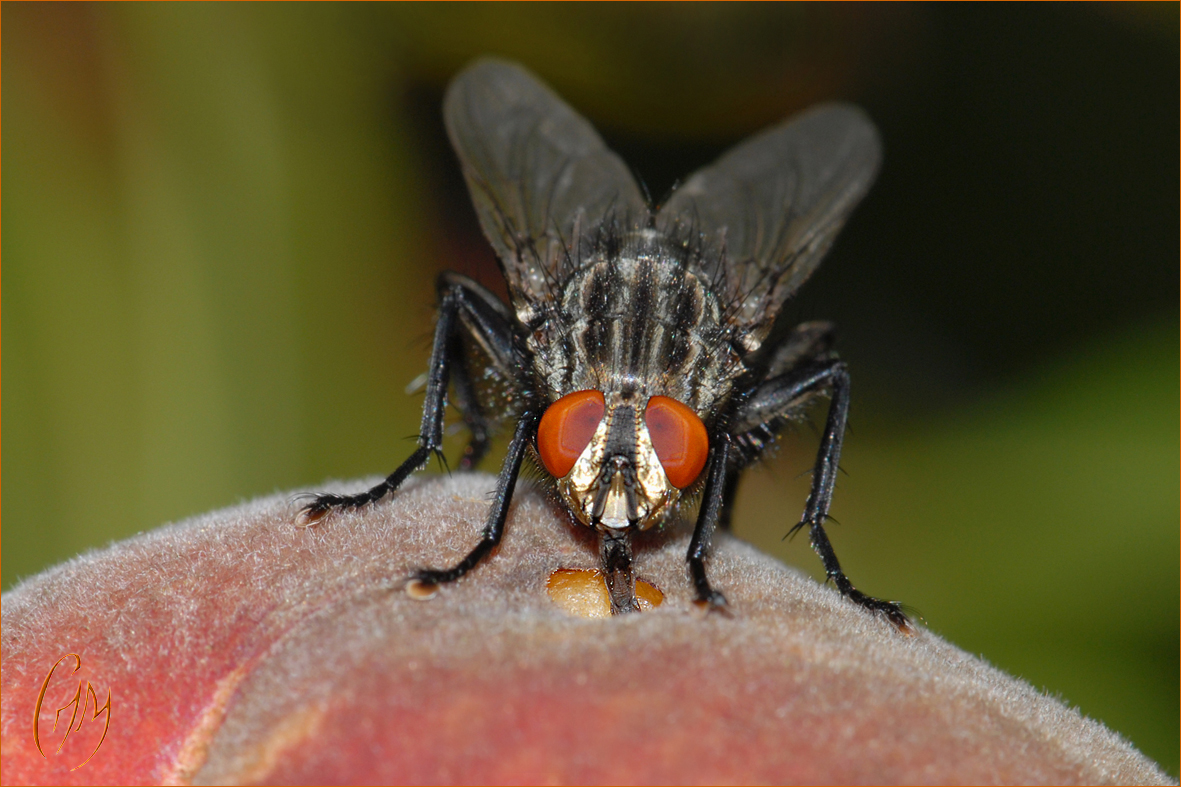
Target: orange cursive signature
(79, 704)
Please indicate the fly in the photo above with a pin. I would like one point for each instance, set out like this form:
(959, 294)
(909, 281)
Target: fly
(643, 370)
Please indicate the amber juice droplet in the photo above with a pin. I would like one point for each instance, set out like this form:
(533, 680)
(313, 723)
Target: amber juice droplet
(582, 592)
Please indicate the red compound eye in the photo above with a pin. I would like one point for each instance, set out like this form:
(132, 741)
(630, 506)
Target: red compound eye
(679, 438)
(566, 429)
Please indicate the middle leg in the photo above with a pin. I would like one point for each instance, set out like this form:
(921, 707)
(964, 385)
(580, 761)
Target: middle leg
(776, 399)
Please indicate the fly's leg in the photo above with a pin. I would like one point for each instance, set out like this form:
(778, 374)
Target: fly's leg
(487, 321)
(462, 303)
(466, 401)
(776, 398)
(494, 528)
(756, 426)
(805, 343)
(711, 509)
(729, 493)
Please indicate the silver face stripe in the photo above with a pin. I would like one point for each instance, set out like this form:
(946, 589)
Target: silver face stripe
(655, 496)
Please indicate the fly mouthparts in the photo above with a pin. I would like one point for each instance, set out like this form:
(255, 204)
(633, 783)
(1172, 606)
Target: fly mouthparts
(615, 505)
(615, 555)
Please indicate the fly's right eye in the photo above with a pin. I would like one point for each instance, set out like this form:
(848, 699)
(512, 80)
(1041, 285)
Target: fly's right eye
(566, 430)
(680, 439)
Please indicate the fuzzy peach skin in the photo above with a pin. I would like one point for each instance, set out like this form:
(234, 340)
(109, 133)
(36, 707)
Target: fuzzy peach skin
(240, 648)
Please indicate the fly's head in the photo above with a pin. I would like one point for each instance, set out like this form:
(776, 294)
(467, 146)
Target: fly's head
(622, 461)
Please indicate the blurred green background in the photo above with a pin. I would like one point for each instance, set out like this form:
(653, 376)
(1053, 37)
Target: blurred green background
(222, 223)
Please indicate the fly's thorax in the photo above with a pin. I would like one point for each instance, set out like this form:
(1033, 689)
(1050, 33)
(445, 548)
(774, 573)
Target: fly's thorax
(639, 319)
(618, 481)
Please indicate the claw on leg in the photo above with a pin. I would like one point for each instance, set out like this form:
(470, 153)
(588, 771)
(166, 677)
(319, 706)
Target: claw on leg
(421, 590)
(714, 601)
(889, 610)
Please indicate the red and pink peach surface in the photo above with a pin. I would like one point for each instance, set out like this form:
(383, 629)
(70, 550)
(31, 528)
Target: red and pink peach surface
(239, 648)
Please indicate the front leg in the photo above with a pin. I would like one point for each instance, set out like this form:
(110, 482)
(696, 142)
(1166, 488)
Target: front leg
(463, 304)
(712, 501)
(494, 528)
(776, 399)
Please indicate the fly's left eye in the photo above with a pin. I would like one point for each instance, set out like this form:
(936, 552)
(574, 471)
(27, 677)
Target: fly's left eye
(679, 438)
(566, 429)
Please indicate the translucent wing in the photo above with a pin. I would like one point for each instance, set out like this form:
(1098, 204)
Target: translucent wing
(540, 176)
(771, 207)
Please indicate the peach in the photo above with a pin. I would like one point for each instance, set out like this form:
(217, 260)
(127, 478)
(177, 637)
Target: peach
(238, 647)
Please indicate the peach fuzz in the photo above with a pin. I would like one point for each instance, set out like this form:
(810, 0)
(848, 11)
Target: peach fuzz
(240, 648)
